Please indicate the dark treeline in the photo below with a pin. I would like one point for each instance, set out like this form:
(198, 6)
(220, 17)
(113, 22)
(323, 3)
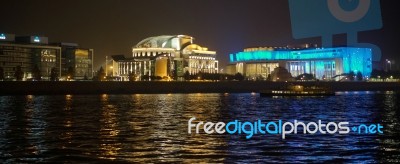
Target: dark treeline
(381, 74)
(199, 76)
(213, 76)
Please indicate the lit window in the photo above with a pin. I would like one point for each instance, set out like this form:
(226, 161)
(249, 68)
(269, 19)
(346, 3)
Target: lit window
(36, 39)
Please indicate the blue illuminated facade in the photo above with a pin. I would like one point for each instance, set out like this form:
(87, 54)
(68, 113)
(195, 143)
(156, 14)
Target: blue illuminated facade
(2, 37)
(322, 62)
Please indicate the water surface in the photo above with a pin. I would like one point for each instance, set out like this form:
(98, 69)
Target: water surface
(153, 128)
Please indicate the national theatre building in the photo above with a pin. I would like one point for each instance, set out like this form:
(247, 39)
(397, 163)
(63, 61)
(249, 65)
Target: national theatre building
(166, 56)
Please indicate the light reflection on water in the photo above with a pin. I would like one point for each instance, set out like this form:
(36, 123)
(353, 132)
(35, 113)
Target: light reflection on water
(153, 128)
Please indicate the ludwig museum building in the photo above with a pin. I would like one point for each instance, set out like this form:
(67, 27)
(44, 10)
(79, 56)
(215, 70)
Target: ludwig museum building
(323, 63)
(166, 56)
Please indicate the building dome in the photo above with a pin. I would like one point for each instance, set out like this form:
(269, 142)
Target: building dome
(165, 41)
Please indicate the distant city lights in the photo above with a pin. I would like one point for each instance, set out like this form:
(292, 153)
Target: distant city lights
(36, 39)
(2, 36)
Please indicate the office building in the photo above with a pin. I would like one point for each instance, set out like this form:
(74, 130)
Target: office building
(28, 52)
(77, 59)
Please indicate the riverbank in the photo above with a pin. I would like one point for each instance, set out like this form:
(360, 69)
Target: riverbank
(93, 87)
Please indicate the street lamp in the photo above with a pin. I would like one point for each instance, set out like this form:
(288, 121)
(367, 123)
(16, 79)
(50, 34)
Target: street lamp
(390, 65)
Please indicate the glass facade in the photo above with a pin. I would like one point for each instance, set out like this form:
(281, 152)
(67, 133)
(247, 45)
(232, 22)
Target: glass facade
(322, 62)
(83, 63)
(81, 60)
(27, 57)
(49, 58)
(259, 71)
(320, 68)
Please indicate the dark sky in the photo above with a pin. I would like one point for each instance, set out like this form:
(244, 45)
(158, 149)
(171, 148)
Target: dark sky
(113, 26)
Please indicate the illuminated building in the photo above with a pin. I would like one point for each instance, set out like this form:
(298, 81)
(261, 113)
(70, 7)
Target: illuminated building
(28, 52)
(122, 66)
(323, 63)
(78, 59)
(167, 56)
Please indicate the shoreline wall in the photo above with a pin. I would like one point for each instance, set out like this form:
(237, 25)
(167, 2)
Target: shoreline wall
(95, 87)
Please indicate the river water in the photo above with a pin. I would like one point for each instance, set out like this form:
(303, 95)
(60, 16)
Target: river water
(154, 128)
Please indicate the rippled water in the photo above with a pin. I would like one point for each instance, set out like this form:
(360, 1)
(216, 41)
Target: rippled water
(153, 128)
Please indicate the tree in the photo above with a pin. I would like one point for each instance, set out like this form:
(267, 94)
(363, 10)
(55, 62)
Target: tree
(187, 75)
(199, 75)
(70, 72)
(1, 73)
(306, 76)
(18, 74)
(269, 78)
(85, 77)
(145, 77)
(158, 78)
(36, 74)
(378, 74)
(54, 74)
(101, 75)
(132, 76)
(359, 76)
(351, 76)
(239, 77)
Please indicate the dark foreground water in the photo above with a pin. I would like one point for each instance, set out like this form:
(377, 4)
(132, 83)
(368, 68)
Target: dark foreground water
(153, 128)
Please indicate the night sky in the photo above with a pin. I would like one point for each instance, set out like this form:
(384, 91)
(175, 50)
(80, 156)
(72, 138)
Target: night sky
(113, 26)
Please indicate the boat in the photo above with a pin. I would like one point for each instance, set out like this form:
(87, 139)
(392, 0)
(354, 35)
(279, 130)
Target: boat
(299, 90)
